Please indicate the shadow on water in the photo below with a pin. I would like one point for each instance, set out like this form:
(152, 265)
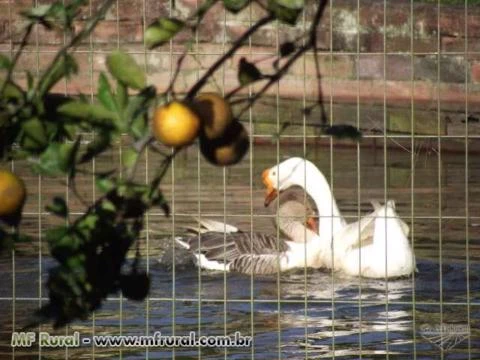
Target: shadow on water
(312, 313)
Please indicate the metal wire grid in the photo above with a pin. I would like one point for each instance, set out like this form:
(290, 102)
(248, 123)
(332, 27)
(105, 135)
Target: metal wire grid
(91, 51)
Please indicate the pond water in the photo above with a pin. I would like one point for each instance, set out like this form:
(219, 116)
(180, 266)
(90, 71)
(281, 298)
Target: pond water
(303, 314)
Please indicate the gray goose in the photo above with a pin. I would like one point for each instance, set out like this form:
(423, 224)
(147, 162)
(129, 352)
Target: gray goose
(222, 247)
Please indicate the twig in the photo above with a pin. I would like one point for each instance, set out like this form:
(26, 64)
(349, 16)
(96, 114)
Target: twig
(24, 42)
(279, 74)
(213, 80)
(238, 43)
(142, 143)
(72, 185)
(197, 16)
(140, 147)
(233, 92)
(319, 84)
(313, 41)
(164, 166)
(180, 60)
(89, 27)
(156, 149)
(201, 12)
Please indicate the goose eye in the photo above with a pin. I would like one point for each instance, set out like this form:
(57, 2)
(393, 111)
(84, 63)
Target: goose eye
(274, 173)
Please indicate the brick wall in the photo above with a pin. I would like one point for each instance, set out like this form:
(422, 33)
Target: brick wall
(372, 61)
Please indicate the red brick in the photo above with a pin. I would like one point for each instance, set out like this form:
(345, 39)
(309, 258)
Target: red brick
(370, 67)
(399, 67)
(451, 43)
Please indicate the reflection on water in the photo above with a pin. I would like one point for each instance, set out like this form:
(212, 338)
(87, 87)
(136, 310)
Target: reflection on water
(293, 315)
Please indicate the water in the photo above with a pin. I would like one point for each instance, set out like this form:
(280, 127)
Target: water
(297, 314)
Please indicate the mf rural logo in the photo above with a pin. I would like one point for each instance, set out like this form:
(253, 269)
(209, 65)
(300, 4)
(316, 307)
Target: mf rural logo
(445, 336)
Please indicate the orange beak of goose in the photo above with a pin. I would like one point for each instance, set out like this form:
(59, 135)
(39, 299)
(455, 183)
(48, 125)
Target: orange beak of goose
(312, 224)
(271, 192)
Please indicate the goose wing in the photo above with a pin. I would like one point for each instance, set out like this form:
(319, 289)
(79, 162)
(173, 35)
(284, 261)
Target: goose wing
(361, 233)
(207, 225)
(391, 203)
(227, 247)
(357, 234)
(258, 263)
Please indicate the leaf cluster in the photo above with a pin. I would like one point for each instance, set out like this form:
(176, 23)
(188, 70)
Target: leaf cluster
(92, 250)
(47, 129)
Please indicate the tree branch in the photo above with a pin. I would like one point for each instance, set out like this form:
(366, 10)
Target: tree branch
(238, 43)
(24, 42)
(198, 17)
(310, 44)
(89, 27)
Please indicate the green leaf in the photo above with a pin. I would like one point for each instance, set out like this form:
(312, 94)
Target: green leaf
(139, 104)
(13, 91)
(30, 80)
(137, 111)
(124, 68)
(104, 183)
(235, 6)
(54, 234)
(65, 67)
(101, 143)
(248, 72)
(63, 245)
(162, 31)
(94, 113)
(34, 136)
(59, 207)
(70, 130)
(5, 62)
(37, 12)
(105, 94)
(89, 222)
(56, 14)
(107, 205)
(121, 95)
(129, 157)
(139, 127)
(58, 159)
(286, 11)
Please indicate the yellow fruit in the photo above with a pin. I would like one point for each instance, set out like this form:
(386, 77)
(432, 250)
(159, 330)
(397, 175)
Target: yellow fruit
(228, 150)
(12, 193)
(215, 113)
(175, 124)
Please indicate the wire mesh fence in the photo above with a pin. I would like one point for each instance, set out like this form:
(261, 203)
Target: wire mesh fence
(407, 74)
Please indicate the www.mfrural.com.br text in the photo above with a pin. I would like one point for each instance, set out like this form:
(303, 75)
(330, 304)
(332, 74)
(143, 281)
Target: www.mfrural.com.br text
(46, 340)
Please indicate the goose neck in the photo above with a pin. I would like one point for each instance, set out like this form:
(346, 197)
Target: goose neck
(330, 218)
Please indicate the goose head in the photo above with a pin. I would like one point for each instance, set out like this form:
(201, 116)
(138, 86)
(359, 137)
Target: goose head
(295, 210)
(284, 175)
(294, 218)
(303, 173)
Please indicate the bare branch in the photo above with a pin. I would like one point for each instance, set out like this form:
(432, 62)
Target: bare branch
(238, 43)
(86, 31)
(197, 16)
(310, 44)
(24, 42)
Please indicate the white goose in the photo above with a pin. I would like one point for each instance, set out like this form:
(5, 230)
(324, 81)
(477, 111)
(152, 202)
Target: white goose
(376, 246)
(223, 247)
